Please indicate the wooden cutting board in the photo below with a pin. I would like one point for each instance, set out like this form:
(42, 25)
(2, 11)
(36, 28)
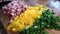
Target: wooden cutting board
(5, 21)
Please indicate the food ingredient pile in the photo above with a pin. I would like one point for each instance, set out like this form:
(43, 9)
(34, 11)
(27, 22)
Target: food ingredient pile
(14, 8)
(31, 19)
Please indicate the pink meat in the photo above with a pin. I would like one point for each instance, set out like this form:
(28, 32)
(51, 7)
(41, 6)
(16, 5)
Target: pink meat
(14, 8)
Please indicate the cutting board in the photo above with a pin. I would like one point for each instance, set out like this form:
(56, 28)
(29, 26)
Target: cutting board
(5, 20)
